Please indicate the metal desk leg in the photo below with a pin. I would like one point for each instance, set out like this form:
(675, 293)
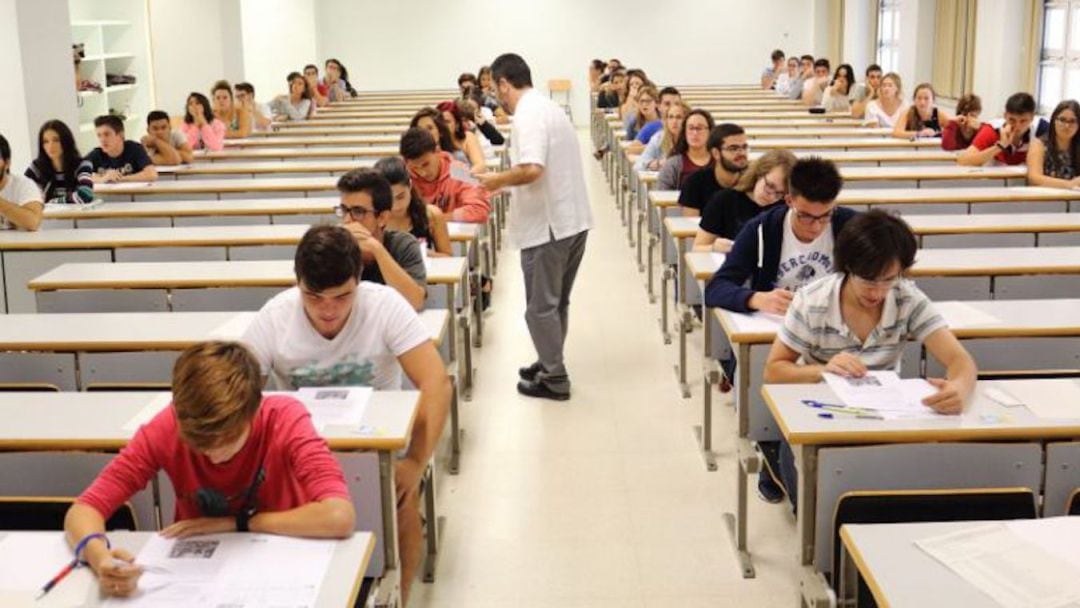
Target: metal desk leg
(748, 462)
(664, 279)
(711, 376)
(389, 587)
(466, 360)
(640, 253)
(434, 525)
(848, 592)
(650, 276)
(813, 588)
(455, 428)
(686, 322)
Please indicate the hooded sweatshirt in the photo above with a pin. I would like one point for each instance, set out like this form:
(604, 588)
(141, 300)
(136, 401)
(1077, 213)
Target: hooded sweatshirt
(753, 263)
(460, 201)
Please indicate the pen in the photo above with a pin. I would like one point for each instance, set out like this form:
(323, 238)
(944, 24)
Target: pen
(56, 579)
(832, 416)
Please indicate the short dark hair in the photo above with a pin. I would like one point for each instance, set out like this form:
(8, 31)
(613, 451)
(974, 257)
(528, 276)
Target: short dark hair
(222, 85)
(822, 63)
(371, 182)
(806, 58)
(326, 257)
(311, 66)
(873, 67)
(968, 103)
(598, 64)
(415, 143)
(466, 77)
(721, 132)
(156, 115)
(870, 242)
(113, 122)
(1020, 103)
(815, 179)
(5, 149)
(245, 86)
(669, 91)
(777, 55)
(513, 69)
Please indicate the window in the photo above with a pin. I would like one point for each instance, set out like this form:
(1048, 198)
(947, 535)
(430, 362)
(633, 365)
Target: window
(1059, 63)
(888, 42)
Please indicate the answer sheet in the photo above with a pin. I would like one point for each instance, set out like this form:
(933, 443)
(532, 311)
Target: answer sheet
(335, 405)
(235, 570)
(884, 392)
(1014, 571)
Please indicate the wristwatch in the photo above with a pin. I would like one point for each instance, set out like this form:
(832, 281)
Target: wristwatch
(243, 517)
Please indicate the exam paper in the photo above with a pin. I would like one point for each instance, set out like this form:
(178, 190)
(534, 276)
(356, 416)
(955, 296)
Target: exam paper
(960, 315)
(336, 405)
(884, 392)
(147, 413)
(1048, 398)
(234, 570)
(1013, 571)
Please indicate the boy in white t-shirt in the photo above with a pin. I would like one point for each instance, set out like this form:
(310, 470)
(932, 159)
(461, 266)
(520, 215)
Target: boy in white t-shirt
(20, 198)
(334, 330)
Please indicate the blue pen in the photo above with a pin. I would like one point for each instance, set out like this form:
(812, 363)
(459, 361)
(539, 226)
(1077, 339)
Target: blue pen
(832, 416)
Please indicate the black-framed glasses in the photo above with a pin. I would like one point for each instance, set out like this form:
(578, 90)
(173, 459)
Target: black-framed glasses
(736, 148)
(356, 213)
(810, 219)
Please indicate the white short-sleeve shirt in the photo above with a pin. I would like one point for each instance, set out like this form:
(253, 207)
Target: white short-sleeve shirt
(20, 190)
(381, 327)
(557, 204)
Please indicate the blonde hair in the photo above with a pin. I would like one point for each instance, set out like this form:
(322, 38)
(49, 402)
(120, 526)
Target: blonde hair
(217, 388)
(763, 165)
(667, 141)
(896, 80)
(646, 89)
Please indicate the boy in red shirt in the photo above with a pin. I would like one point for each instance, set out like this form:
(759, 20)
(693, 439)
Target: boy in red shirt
(1009, 144)
(430, 172)
(237, 461)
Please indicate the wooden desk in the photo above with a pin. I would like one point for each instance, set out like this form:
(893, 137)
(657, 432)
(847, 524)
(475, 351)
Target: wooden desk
(1040, 333)
(1005, 229)
(998, 273)
(971, 464)
(298, 152)
(878, 143)
(217, 188)
(340, 585)
(342, 126)
(332, 167)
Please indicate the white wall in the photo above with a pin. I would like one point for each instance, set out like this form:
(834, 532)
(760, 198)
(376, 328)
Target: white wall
(999, 55)
(860, 21)
(188, 49)
(35, 57)
(426, 44)
(278, 38)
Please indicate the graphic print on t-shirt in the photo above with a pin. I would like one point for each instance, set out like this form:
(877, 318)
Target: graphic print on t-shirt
(349, 371)
(797, 271)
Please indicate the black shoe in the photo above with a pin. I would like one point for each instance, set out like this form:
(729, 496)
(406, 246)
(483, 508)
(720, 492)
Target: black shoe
(529, 373)
(768, 490)
(541, 390)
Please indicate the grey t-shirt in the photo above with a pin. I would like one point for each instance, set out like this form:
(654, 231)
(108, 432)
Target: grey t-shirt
(405, 250)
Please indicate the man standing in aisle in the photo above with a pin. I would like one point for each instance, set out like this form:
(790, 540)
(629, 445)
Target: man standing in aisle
(549, 220)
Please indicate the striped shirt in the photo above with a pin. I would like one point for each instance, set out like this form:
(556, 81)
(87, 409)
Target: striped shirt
(55, 185)
(814, 326)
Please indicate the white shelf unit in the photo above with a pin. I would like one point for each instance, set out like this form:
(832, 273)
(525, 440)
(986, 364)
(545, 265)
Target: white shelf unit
(116, 39)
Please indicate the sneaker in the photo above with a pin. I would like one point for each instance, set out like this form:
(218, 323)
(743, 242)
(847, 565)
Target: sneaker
(768, 490)
(541, 390)
(529, 373)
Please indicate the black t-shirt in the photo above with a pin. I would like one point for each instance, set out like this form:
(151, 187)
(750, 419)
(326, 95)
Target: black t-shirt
(131, 160)
(699, 188)
(727, 212)
(607, 99)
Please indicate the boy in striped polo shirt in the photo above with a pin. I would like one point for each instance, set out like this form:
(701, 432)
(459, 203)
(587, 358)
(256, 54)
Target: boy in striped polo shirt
(860, 317)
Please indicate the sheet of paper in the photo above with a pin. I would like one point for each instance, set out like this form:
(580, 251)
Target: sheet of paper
(147, 413)
(1047, 398)
(884, 392)
(234, 328)
(959, 315)
(234, 570)
(462, 174)
(335, 405)
(1013, 571)
(1058, 536)
(758, 322)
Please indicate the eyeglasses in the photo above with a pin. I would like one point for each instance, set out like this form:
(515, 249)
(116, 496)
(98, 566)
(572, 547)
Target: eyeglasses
(356, 213)
(732, 149)
(774, 191)
(877, 283)
(809, 219)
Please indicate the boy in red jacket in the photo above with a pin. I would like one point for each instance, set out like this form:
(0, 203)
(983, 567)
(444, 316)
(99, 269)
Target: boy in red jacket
(430, 170)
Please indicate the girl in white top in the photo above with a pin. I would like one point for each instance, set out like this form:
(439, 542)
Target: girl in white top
(888, 107)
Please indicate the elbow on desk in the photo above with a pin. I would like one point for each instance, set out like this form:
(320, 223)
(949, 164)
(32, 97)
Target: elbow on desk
(340, 519)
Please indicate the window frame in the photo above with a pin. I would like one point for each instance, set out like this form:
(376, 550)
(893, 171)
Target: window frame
(1066, 59)
(888, 9)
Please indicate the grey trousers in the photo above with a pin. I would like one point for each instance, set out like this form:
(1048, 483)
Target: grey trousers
(550, 270)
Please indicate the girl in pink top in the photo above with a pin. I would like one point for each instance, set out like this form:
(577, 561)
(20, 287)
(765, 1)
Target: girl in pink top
(202, 129)
(238, 462)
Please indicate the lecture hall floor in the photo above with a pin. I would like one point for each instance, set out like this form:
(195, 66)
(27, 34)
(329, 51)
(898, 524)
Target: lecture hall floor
(602, 501)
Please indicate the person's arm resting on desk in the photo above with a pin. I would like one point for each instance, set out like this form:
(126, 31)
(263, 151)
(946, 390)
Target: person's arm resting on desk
(26, 216)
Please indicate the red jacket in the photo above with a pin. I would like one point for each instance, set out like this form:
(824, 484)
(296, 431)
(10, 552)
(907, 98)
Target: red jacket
(460, 201)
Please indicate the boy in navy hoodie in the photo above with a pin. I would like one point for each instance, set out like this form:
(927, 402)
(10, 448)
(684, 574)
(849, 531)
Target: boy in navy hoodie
(777, 253)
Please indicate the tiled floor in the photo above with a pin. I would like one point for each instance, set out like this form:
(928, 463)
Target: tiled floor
(602, 501)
